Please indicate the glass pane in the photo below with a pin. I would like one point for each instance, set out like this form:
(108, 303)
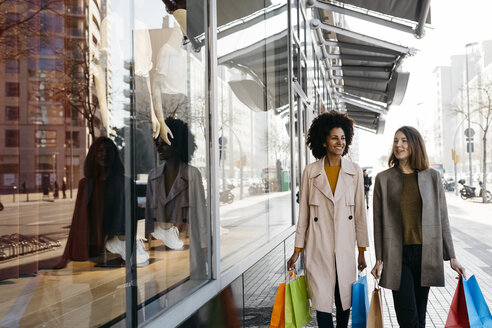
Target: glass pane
(170, 103)
(65, 181)
(253, 120)
(86, 183)
(279, 169)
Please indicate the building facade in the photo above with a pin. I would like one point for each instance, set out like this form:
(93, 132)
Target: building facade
(162, 145)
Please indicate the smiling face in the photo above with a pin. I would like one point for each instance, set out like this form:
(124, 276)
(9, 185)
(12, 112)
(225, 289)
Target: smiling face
(335, 142)
(401, 150)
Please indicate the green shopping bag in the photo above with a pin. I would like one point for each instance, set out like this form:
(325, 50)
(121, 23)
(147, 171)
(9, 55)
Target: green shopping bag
(297, 312)
(290, 321)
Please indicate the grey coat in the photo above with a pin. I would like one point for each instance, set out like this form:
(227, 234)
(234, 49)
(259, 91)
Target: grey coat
(437, 244)
(185, 202)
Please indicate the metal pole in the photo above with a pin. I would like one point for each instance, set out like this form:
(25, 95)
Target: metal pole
(468, 109)
(454, 159)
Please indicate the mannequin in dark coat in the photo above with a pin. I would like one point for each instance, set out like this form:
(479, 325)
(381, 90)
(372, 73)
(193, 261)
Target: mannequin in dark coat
(99, 211)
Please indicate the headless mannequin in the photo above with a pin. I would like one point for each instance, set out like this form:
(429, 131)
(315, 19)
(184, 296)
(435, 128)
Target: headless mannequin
(169, 87)
(97, 66)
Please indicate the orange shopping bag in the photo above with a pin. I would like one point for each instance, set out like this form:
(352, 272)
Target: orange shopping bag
(278, 314)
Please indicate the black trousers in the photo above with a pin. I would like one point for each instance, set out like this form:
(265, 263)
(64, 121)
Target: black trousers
(411, 299)
(325, 319)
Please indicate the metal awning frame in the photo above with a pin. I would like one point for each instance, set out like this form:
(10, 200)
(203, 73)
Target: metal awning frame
(317, 24)
(381, 19)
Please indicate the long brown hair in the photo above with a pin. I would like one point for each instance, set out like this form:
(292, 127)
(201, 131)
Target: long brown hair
(418, 159)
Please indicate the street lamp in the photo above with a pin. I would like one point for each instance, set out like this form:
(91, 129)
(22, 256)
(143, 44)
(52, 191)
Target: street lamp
(469, 149)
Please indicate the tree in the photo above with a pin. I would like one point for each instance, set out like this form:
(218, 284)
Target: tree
(481, 116)
(77, 85)
(22, 19)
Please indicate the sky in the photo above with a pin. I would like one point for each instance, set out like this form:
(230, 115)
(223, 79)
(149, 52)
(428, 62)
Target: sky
(454, 24)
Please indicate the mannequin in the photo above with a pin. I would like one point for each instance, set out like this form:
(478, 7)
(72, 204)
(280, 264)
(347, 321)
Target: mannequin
(143, 64)
(175, 196)
(169, 86)
(97, 70)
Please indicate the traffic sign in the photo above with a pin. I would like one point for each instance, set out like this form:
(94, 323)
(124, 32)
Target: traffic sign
(469, 132)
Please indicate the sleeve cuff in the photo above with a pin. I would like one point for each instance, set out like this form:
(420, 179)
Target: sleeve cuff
(297, 249)
(362, 249)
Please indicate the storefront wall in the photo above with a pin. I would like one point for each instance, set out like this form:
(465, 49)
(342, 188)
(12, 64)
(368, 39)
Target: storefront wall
(106, 224)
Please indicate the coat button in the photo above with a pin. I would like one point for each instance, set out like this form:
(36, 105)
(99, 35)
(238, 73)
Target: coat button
(350, 217)
(315, 219)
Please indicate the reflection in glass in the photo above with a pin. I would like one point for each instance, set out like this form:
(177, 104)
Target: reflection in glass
(176, 198)
(99, 216)
(254, 152)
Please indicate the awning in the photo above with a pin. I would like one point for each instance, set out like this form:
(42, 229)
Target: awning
(408, 16)
(364, 72)
(265, 62)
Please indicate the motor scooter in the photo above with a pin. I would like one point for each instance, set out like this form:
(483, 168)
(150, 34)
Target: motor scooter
(469, 191)
(448, 184)
(256, 189)
(226, 196)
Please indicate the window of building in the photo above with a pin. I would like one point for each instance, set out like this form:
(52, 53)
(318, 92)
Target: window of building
(12, 66)
(11, 138)
(12, 89)
(11, 113)
(45, 138)
(75, 139)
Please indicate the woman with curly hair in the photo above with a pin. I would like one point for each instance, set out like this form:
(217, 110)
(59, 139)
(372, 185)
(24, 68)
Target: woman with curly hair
(332, 219)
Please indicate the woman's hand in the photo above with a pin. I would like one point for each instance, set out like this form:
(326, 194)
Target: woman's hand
(291, 264)
(456, 266)
(361, 261)
(378, 268)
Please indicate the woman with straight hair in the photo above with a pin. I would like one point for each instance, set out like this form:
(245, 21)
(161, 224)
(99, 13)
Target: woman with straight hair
(332, 219)
(409, 259)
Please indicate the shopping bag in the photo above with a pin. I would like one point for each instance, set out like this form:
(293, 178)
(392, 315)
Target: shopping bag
(375, 316)
(468, 308)
(478, 311)
(458, 315)
(300, 303)
(289, 319)
(360, 302)
(278, 313)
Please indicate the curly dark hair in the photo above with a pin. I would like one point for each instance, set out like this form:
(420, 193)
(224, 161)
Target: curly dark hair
(183, 141)
(321, 127)
(172, 6)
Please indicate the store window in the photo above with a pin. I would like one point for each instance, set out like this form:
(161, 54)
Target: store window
(254, 169)
(105, 190)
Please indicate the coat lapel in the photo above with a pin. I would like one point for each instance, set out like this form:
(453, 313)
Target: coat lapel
(345, 179)
(179, 185)
(320, 180)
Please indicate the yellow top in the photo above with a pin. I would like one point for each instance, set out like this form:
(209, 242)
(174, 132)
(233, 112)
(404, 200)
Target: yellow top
(332, 175)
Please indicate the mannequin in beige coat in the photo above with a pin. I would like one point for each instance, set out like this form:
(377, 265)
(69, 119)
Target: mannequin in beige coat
(331, 224)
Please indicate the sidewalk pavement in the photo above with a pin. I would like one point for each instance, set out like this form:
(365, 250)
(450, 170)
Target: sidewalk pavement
(471, 224)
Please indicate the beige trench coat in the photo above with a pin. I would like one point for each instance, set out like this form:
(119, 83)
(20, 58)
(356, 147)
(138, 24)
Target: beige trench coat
(328, 229)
